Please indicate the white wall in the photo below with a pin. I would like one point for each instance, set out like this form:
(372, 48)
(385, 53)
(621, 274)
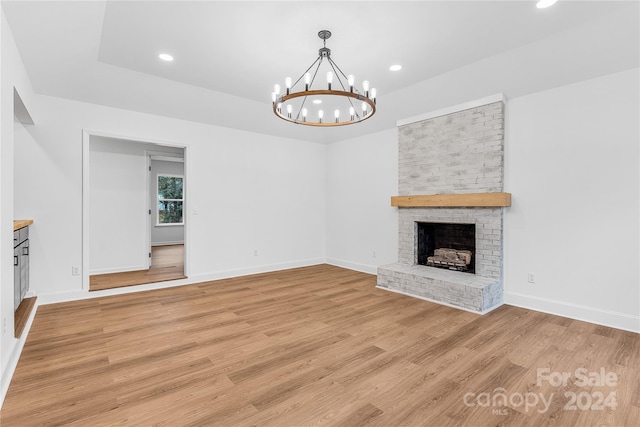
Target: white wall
(571, 163)
(118, 206)
(362, 175)
(13, 75)
(163, 234)
(251, 191)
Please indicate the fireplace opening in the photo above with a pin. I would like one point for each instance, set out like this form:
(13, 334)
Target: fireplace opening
(449, 246)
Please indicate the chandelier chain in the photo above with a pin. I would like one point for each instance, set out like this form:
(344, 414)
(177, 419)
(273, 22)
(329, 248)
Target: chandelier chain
(310, 66)
(319, 61)
(334, 66)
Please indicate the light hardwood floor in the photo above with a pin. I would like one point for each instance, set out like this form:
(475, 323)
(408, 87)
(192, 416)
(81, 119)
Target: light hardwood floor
(167, 264)
(314, 346)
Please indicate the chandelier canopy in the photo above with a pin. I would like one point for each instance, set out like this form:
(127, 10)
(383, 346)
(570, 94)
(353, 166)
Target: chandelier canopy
(339, 97)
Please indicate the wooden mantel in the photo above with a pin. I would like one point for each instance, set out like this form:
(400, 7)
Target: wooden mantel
(472, 200)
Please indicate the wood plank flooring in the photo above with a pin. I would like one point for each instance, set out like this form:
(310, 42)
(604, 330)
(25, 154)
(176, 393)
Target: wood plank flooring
(167, 264)
(314, 346)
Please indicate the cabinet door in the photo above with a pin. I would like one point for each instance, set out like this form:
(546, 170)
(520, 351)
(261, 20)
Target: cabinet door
(17, 288)
(24, 269)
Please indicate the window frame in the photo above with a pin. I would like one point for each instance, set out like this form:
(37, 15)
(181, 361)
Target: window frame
(158, 199)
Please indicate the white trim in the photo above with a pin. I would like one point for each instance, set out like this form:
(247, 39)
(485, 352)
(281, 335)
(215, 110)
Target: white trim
(363, 268)
(583, 313)
(186, 210)
(86, 136)
(440, 302)
(135, 139)
(166, 244)
(119, 269)
(147, 219)
(56, 297)
(167, 159)
(15, 353)
(499, 97)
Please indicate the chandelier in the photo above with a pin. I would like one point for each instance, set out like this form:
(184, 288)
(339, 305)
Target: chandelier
(339, 96)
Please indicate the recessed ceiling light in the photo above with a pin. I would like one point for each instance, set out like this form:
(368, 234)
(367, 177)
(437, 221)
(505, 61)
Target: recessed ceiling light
(545, 3)
(396, 67)
(165, 57)
(317, 101)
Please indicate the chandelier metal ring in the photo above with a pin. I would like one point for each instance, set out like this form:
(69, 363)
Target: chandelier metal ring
(318, 92)
(284, 103)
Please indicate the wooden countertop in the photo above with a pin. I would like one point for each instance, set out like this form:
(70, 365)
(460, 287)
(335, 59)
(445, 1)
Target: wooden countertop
(21, 223)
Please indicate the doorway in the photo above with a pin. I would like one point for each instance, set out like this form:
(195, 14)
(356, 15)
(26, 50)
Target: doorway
(120, 212)
(166, 203)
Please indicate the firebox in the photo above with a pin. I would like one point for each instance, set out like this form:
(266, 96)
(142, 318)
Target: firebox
(447, 245)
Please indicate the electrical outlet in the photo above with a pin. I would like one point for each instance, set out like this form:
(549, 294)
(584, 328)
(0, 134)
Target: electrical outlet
(75, 270)
(531, 278)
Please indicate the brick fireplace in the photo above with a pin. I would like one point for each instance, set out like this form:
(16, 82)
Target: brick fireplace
(449, 165)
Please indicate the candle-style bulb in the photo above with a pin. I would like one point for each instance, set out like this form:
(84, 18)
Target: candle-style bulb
(320, 115)
(352, 80)
(307, 81)
(273, 97)
(329, 79)
(289, 110)
(365, 87)
(279, 107)
(364, 108)
(276, 89)
(337, 115)
(373, 93)
(352, 112)
(304, 114)
(287, 84)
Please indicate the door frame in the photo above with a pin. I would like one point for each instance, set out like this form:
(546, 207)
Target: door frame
(86, 194)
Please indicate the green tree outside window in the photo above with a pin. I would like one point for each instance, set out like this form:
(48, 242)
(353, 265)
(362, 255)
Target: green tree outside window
(170, 199)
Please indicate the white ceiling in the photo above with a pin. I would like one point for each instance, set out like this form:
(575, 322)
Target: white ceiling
(228, 54)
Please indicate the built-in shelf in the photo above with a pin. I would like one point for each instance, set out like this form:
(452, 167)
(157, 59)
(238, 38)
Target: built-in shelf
(472, 200)
(22, 315)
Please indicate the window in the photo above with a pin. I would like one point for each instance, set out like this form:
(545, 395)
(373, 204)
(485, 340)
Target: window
(170, 200)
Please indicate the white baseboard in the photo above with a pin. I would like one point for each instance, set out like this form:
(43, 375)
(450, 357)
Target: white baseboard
(363, 268)
(267, 268)
(52, 298)
(595, 315)
(15, 351)
(584, 313)
(118, 269)
(181, 242)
